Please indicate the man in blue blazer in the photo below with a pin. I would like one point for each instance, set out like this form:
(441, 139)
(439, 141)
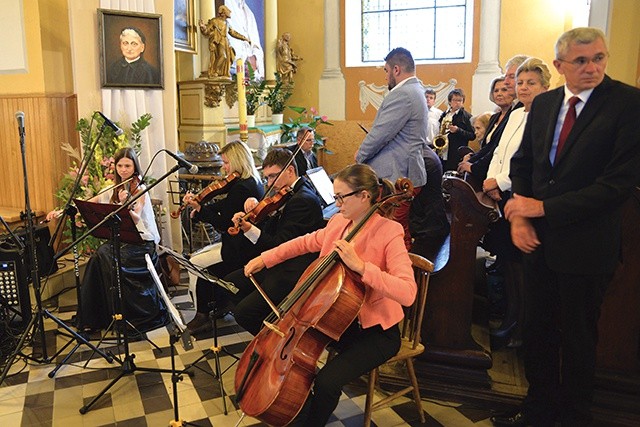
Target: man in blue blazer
(393, 146)
(565, 216)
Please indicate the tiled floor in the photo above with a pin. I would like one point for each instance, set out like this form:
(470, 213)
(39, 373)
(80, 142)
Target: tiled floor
(28, 397)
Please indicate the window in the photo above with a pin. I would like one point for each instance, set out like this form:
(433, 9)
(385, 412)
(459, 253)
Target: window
(435, 31)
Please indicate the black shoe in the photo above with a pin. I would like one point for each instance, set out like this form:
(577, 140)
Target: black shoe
(518, 419)
(199, 320)
(202, 329)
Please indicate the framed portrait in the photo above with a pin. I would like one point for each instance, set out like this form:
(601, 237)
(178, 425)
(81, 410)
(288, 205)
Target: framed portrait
(184, 26)
(130, 49)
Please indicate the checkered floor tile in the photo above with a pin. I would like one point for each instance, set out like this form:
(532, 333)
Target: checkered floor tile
(30, 397)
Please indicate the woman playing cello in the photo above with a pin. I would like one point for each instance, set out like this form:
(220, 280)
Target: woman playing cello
(378, 255)
(221, 257)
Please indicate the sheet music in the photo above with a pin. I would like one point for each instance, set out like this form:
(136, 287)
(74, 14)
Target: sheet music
(199, 272)
(176, 316)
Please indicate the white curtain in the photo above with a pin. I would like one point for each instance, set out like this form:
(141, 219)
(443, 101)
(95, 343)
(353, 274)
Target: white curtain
(126, 105)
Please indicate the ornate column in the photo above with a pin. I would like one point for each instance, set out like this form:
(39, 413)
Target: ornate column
(271, 38)
(488, 63)
(207, 11)
(331, 87)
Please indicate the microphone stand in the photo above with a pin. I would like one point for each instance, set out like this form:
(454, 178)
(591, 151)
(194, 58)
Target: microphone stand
(36, 324)
(127, 363)
(75, 336)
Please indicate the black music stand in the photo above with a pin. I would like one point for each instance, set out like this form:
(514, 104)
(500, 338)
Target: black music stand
(215, 349)
(177, 332)
(114, 222)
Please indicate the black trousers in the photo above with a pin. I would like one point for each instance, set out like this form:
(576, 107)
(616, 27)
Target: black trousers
(359, 351)
(277, 282)
(560, 337)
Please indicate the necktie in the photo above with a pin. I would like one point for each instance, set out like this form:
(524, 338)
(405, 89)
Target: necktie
(569, 120)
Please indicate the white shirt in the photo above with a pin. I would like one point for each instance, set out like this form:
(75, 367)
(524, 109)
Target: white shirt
(584, 97)
(509, 144)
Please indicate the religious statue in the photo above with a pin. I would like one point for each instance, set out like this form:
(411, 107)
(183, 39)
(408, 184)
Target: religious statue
(221, 53)
(286, 59)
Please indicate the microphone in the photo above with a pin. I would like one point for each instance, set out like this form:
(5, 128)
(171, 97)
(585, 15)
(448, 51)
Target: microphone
(193, 169)
(111, 124)
(20, 118)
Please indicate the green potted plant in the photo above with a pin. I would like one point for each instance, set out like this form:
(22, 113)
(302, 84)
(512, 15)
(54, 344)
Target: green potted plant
(254, 93)
(276, 99)
(306, 118)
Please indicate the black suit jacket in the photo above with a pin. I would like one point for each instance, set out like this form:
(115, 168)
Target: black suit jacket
(480, 161)
(584, 189)
(219, 215)
(301, 161)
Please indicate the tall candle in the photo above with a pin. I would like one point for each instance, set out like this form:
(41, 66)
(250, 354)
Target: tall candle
(242, 101)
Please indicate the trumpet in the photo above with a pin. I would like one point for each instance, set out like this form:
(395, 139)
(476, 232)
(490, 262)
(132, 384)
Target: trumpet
(441, 141)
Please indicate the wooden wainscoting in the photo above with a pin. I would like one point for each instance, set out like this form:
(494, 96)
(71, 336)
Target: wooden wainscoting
(49, 121)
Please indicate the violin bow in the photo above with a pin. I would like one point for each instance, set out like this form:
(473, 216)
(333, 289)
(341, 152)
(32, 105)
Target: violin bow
(293, 156)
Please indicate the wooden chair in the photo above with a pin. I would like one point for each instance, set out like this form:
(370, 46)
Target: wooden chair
(411, 345)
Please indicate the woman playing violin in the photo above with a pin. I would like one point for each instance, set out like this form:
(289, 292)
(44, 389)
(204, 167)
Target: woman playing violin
(378, 255)
(222, 257)
(301, 214)
(143, 307)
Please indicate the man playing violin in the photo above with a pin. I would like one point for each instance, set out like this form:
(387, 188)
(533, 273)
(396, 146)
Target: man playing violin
(301, 214)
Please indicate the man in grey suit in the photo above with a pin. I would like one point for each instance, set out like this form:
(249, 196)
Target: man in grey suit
(576, 166)
(393, 146)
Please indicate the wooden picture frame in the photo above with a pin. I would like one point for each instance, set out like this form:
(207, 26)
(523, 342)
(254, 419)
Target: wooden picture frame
(142, 39)
(184, 26)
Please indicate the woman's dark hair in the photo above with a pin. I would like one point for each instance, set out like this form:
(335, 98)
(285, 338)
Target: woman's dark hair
(129, 153)
(360, 177)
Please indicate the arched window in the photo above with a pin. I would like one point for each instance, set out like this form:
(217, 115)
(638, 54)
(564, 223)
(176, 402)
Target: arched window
(435, 31)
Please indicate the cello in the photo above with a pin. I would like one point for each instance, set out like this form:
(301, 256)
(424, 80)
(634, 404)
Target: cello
(276, 371)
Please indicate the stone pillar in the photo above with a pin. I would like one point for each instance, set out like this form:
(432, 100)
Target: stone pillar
(271, 38)
(331, 87)
(207, 11)
(488, 63)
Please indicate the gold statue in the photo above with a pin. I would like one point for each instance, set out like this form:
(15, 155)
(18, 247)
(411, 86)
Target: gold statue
(286, 59)
(221, 53)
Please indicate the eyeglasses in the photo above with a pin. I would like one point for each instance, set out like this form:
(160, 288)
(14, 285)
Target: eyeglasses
(581, 61)
(271, 176)
(340, 197)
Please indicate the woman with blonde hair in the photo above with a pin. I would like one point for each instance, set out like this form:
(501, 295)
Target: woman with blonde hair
(222, 257)
(532, 79)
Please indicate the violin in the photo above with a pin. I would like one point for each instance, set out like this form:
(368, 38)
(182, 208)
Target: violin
(271, 204)
(131, 189)
(264, 208)
(214, 189)
(277, 369)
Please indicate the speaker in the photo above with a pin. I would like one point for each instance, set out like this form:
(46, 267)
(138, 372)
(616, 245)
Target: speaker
(15, 302)
(44, 252)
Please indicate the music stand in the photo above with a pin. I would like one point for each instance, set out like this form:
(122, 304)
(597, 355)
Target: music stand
(114, 222)
(215, 349)
(177, 332)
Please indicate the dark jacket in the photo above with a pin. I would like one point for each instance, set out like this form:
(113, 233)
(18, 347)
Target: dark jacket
(584, 189)
(461, 138)
(219, 215)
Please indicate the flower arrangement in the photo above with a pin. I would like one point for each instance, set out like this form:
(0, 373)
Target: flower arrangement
(254, 90)
(100, 171)
(277, 95)
(309, 118)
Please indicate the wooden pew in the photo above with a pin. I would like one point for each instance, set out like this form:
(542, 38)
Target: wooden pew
(446, 330)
